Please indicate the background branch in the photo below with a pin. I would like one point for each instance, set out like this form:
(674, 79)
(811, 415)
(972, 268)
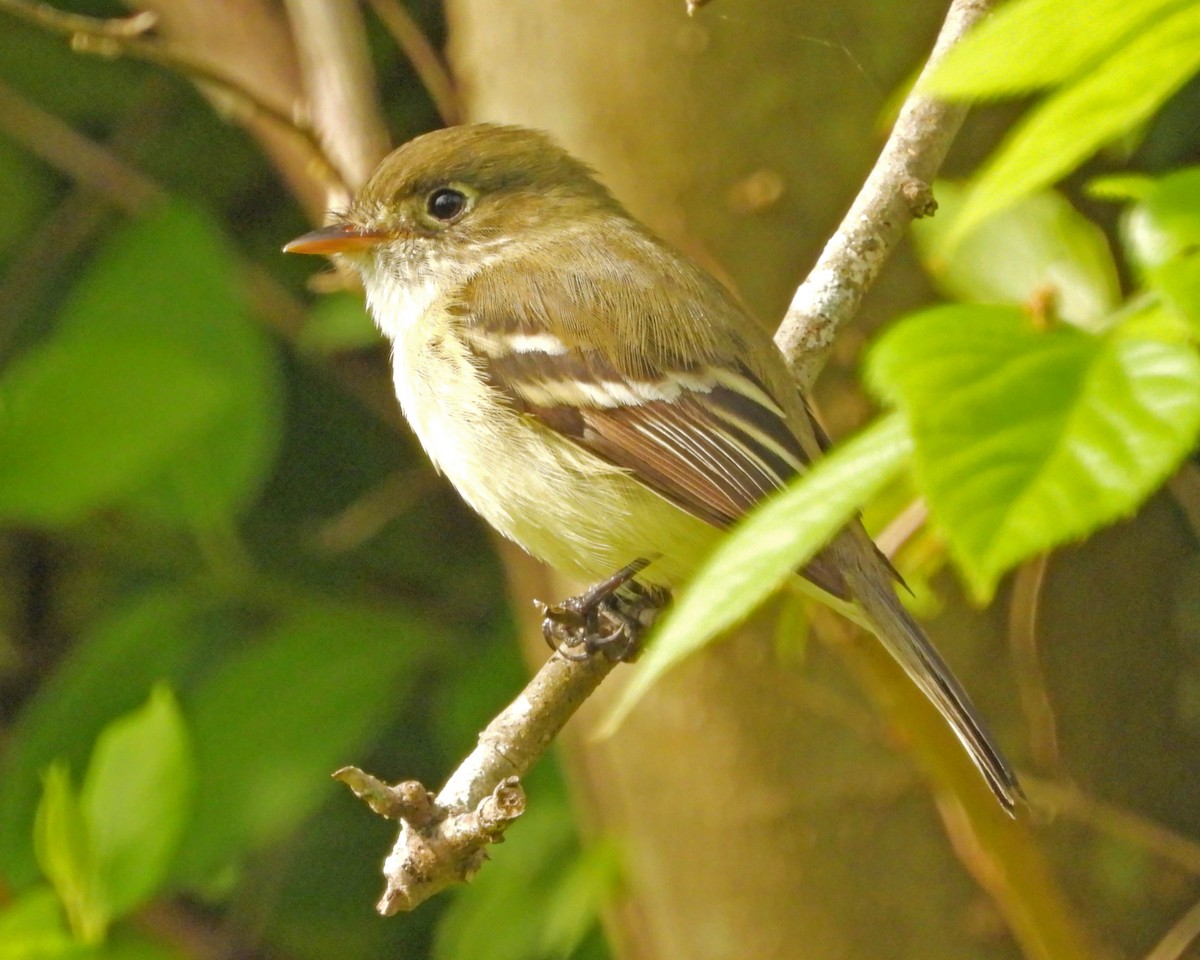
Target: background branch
(247, 102)
(898, 189)
(340, 82)
(423, 57)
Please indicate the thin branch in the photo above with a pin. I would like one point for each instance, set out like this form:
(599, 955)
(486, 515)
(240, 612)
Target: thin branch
(898, 189)
(80, 158)
(424, 58)
(340, 84)
(60, 21)
(1031, 682)
(1179, 937)
(85, 210)
(904, 526)
(1062, 799)
(444, 845)
(125, 37)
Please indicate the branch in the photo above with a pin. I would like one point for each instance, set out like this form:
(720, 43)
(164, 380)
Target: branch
(80, 158)
(898, 190)
(424, 59)
(442, 840)
(126, 37)
(341, 89)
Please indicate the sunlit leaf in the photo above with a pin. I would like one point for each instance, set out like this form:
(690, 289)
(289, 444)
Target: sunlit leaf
(1040, 247)
(159, 637)
(1165, 224)
(765, 549)
(136, 799)
(65, 854)
(1071, 124)
(1120, 186)
(1162, 232)
(1026, 438)
(1026, 45)
(33, 927)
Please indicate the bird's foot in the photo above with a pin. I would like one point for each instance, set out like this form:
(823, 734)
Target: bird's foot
(610, 617)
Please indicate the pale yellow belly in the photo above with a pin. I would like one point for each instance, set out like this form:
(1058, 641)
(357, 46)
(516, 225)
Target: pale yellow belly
(565, 506)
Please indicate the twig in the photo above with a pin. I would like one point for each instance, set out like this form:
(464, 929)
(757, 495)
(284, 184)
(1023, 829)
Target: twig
(356, 523)
(443, 844)
(1059, 798)
(341, 88)
(904, 526)
(424, 59)
(51, 18)
(126, 38)
(1179, 937)
(80, 158)
(1031, 682)
(83, 211)
(898, 189)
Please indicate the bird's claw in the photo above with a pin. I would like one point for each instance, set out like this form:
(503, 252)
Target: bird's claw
(602, 619)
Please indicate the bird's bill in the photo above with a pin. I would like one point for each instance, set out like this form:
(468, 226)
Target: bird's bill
(339, 238)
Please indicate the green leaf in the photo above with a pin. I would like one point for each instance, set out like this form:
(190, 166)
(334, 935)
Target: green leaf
(1041, 245)
(136, 798)
(1120, 186)
(82, 425)
(1165, 224)
(1111, 99)
(32, 927)
(1162, 232)
(766, 549)
(1027, 439)
(582, 892)
(162, 636)
(171, 279)
(336, 324)
(65, 854)
(1029, 44)
(272, 723)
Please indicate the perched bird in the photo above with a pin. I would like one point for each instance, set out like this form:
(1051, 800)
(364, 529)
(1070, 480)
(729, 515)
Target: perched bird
(592, 393)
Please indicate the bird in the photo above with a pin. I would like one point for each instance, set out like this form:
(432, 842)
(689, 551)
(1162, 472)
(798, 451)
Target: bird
(590, 391)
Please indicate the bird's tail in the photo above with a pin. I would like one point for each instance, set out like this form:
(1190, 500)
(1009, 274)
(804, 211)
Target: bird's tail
(902, 636)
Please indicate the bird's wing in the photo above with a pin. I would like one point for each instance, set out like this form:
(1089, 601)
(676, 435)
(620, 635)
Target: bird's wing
(708, 435)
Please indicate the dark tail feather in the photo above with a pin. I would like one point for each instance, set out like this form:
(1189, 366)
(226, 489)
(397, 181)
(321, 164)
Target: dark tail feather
(904, 639)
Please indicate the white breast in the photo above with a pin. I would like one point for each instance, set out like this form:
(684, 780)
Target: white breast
(560, 502)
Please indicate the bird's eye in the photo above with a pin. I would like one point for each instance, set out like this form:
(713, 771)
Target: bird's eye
(446, 203)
